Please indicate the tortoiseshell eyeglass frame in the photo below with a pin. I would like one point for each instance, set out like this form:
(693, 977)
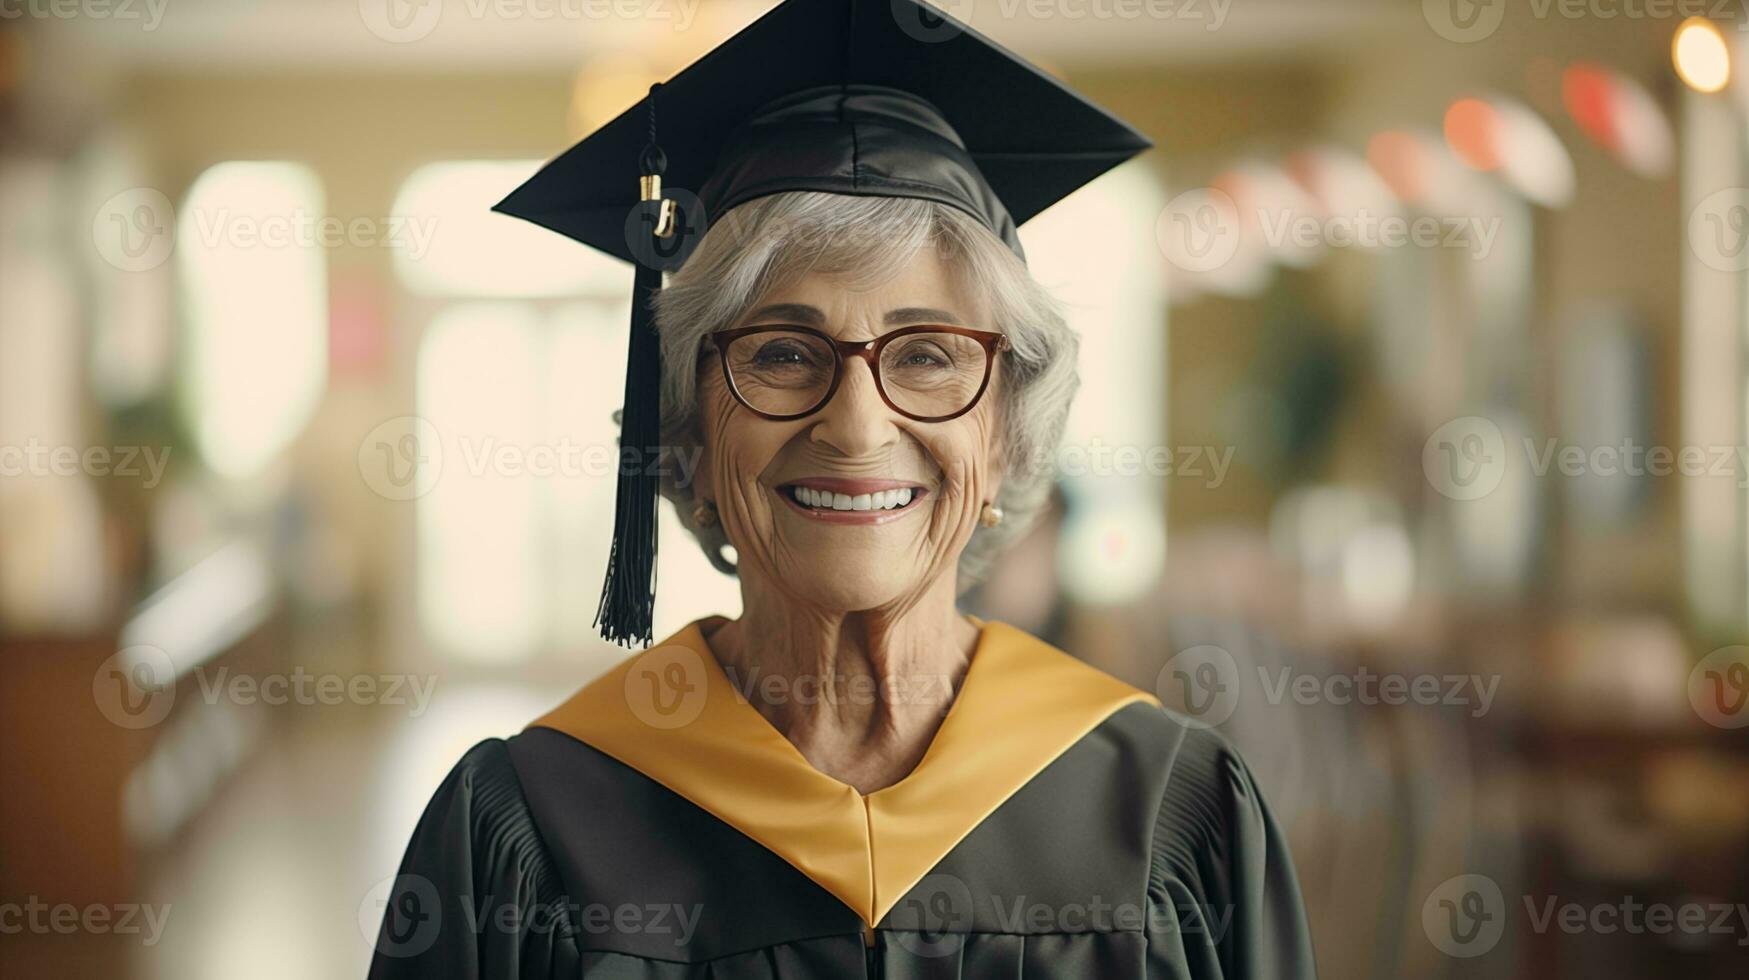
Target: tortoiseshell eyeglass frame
(992, 341)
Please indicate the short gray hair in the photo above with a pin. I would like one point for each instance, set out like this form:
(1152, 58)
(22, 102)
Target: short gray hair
(773, 241)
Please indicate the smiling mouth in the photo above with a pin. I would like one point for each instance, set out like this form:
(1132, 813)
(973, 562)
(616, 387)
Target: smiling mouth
(852, 502)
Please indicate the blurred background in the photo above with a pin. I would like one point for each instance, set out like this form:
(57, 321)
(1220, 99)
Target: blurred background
(1410, 451)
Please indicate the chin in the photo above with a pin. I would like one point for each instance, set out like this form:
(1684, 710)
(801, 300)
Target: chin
(854, 583)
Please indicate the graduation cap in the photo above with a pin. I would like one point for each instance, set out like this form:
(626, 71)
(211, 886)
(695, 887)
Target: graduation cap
(889, 98)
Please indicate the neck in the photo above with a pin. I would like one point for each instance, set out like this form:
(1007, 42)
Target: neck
(860, 694)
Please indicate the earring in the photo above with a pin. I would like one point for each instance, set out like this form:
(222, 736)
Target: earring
(990, 515)
(705, 514)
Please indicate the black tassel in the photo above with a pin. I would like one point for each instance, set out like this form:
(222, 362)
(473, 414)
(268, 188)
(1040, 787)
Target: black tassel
(628, 595)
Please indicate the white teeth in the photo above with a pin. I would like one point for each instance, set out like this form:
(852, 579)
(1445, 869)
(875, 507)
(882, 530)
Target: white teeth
(879, 500)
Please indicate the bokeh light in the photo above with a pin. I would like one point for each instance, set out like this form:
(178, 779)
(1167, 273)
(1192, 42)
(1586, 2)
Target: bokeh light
(1619, 115)
(1473, 130)
(1703, 60)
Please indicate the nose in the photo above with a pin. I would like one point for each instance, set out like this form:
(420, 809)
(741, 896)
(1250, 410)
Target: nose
(855, 421)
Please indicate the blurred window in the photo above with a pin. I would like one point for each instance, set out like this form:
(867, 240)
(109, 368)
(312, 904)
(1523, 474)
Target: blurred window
(53, 574)
(477, 252)
(1111, 465)
(254, 281)
(1714, 392)
(518, 373)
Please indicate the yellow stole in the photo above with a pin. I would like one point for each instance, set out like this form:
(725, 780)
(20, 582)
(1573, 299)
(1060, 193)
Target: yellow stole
(672, 714)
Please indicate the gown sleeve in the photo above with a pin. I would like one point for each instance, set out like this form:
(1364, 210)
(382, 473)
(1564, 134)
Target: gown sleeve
(1225, 901)
(476, 896)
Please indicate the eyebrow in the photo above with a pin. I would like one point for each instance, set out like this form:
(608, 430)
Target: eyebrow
(803, 315)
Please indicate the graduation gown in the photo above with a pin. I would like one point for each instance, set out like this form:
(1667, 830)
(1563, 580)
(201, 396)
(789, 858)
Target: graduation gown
(656, 826)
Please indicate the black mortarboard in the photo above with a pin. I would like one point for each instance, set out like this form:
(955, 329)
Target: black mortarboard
(889, 98)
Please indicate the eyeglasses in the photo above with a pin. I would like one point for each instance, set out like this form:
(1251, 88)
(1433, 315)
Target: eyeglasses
(927, 373)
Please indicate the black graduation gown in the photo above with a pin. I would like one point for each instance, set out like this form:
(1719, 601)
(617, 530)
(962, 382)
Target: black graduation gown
(655, 826)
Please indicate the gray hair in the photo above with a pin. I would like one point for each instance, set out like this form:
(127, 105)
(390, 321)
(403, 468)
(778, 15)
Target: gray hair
(773, 241)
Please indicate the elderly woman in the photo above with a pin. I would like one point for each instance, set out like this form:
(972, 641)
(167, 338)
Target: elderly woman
(853, 779)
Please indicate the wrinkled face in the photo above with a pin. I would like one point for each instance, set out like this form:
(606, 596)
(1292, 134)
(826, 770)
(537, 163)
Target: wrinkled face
(770, 479)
